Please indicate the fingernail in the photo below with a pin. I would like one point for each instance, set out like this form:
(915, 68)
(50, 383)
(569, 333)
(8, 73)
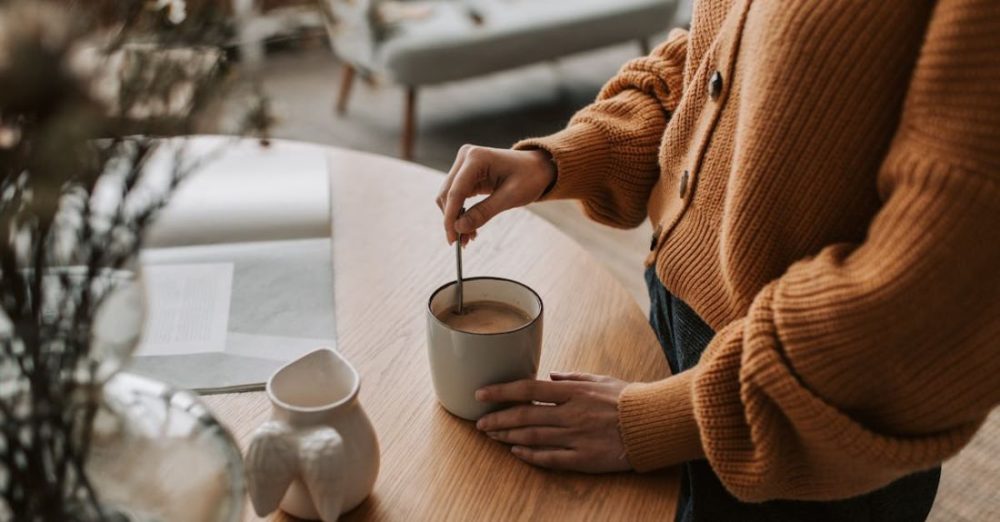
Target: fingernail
(480, 395)
(492, 435)
(480, 425)
(516, 450)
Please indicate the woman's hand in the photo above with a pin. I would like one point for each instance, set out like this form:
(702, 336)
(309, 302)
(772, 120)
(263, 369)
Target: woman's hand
(511, 178)
(575, 429)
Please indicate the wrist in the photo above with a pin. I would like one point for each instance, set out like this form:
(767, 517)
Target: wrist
(546, 168)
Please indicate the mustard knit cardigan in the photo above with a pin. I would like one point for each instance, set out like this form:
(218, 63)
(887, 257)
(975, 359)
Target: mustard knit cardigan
(824, 180)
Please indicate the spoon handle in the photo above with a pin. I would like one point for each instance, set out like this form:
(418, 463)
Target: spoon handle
(458, 264)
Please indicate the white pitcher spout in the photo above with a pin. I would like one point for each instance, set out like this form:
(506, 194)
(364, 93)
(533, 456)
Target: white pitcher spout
(318, 381)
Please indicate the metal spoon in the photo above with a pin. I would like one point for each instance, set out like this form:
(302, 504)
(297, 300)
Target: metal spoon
(458, 264)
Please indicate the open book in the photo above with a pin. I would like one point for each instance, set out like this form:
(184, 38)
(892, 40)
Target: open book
(223, 318)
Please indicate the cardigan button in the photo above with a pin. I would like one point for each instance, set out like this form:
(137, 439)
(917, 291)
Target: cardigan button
(715, 85)
(656, 238)
(684, 184)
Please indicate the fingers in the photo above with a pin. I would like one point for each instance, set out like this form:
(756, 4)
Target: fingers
(580, 432)
(521, 416)
(534, 436)
(446, 184)
(446, 187)
(479, 214)
(526, 390)
(576, 376)
(509, 178)
(552, 458)
(462, 187)
(468, 238)
(476, 175)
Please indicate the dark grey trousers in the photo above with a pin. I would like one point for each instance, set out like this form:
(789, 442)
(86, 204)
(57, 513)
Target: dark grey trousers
(683, 336)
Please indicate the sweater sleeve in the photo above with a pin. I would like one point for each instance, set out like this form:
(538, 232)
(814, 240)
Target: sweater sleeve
(869, 361)
(608, 154)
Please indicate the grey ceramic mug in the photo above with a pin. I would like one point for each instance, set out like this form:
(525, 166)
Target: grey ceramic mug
(462, 362)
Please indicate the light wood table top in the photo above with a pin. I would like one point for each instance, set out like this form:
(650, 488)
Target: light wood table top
(389, 254)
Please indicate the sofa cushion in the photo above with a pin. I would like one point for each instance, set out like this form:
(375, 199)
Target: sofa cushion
(452, 43)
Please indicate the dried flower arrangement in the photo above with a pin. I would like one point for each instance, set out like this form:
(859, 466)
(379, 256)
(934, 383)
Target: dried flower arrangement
(88, 89)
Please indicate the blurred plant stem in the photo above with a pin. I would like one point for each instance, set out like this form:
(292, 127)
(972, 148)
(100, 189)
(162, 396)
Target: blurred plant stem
(89, 88)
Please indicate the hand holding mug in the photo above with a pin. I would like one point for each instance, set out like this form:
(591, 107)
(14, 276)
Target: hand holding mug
(568, 423)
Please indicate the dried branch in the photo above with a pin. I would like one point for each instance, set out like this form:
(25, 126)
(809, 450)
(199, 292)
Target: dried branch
(90, 89)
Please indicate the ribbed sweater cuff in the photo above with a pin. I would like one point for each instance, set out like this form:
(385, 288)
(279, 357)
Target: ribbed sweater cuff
(581, 155)
(657, 423)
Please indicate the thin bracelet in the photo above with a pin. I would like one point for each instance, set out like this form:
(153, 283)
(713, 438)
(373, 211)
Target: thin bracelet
(555, 172)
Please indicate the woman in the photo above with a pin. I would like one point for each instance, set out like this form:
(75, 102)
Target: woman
(824, 181)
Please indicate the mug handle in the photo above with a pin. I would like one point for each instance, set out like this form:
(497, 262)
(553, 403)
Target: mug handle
(322, 463)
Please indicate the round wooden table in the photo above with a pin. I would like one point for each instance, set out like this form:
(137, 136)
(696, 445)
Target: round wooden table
(389, 254)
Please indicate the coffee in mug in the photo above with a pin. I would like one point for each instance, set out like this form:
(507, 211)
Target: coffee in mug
(497, 339)
(485, 317)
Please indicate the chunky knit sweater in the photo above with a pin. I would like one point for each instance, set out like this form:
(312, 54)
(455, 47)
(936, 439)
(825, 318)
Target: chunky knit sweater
(824, 181)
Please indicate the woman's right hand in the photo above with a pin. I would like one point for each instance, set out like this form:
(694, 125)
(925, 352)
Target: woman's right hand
(511, 178)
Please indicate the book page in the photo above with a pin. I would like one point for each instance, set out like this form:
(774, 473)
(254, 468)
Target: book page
(187, 308)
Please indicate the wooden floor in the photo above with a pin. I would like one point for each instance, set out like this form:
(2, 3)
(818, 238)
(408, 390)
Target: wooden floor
(496, 111)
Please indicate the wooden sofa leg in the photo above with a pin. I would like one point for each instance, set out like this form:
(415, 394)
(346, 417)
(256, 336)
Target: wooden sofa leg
(644, 46)
(409, 123)
(346, 82)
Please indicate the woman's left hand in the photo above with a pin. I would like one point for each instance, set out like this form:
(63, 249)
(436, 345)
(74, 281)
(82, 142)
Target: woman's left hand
(575, 428)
